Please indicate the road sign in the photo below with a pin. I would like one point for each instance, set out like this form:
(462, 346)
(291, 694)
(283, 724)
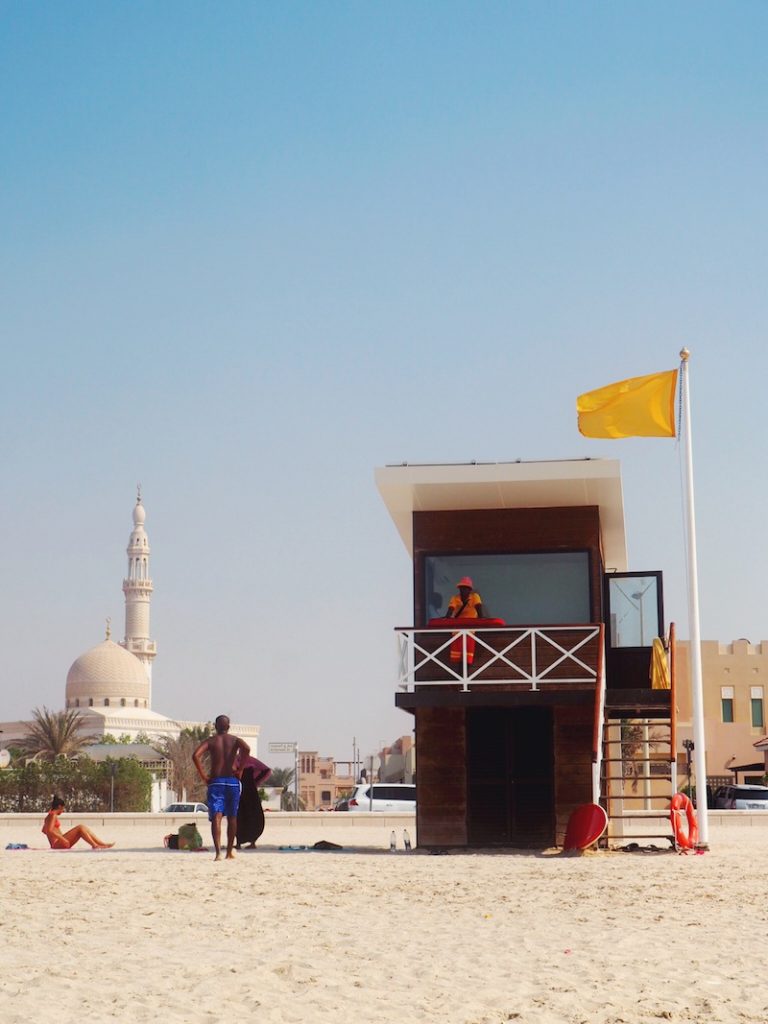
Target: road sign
(282, 748)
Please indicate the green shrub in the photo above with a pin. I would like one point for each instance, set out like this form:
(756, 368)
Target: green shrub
(83, 784)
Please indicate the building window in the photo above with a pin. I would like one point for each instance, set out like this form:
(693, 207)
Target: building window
(136, 702)
(90, 702)
(756, 695)
(77, 703)
(122, 702)
(551, 587)
(106, 702)
(726, 703)
(325, 796)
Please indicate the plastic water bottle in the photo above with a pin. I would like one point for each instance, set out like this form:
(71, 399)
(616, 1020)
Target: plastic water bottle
(392, 842)
(406, 841)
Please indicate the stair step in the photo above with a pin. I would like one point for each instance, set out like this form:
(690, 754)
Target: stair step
(659, 741)
(634, 760)
(637, 796)
(662, 777)
(639, 816)
(641, 835)
(637, 778)
(649, 833)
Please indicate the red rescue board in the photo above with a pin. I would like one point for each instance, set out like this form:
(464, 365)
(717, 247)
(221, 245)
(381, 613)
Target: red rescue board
(585, 826)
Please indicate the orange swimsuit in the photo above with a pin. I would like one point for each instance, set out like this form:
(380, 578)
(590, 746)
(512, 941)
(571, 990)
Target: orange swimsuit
(57, 842)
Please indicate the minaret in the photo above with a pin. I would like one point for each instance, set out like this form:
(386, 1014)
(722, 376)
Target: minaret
(137, 588)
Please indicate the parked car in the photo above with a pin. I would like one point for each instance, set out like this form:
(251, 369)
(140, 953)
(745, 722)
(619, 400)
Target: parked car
(186, 809)
(742, 798)
(383, 796)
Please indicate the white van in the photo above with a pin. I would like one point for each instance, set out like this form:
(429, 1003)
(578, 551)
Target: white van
(383, 796)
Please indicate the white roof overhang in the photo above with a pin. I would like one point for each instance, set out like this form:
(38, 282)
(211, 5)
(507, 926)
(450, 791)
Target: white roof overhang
(490, 485)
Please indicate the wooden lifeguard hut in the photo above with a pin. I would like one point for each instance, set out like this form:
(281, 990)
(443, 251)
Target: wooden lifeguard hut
(520, 718)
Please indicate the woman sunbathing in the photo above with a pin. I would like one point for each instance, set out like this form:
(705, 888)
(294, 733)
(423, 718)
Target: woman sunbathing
(65, 840)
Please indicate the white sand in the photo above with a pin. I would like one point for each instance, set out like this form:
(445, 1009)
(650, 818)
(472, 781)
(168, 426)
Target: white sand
(138, 934)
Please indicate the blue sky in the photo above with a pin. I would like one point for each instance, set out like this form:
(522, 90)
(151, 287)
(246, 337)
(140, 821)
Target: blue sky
(252, 251)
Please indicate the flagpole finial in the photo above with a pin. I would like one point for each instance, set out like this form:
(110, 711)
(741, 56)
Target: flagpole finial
(685, 354)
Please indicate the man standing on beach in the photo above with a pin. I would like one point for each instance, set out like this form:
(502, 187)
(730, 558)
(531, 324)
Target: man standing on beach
(223, 785)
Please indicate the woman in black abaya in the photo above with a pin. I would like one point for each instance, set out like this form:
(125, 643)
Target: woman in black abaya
(250, 816)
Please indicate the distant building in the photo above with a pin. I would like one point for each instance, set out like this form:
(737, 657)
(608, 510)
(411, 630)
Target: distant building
(398, 762)
(735, 677)
(320, 784)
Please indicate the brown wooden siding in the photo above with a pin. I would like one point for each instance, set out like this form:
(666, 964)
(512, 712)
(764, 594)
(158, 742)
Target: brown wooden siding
(507, 531)
(441, 808)
(441, 736)
(573, 763)
(441, 774)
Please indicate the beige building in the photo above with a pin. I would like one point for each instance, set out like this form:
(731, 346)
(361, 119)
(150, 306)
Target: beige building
(398, 762)
(735, 678)
(320, 784)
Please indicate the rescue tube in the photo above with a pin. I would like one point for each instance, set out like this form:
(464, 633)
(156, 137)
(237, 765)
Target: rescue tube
(680, 802)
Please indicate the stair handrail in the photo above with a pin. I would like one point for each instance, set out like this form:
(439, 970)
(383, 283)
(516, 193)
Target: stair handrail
(599, 721)
(673, 705)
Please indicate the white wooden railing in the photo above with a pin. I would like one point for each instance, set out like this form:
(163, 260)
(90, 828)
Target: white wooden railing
(530, 656)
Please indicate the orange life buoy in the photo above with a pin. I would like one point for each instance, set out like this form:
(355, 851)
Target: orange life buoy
(680, 803)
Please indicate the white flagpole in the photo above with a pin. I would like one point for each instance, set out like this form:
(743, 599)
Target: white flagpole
(694, 629)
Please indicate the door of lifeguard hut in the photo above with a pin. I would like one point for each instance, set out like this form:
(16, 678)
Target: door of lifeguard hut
(634, 616)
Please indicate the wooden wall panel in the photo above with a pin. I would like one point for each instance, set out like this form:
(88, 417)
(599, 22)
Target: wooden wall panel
(507, 531)
(441, 771)
(441, 808)
(573, 763)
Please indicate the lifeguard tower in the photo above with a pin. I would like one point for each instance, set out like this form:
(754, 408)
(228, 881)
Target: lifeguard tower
(548, 705)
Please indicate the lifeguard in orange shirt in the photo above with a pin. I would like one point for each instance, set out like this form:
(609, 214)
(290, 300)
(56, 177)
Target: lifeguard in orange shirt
(467, 604)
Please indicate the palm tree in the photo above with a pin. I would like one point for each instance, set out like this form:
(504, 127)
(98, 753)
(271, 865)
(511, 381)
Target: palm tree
(53, 734)
(284, 777)
(182, 776)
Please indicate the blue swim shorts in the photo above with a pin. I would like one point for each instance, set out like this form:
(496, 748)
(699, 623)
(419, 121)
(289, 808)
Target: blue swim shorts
(223, 797)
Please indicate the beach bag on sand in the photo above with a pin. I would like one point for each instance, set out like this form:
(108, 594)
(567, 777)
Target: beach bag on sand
(189, 837)
(171, 841)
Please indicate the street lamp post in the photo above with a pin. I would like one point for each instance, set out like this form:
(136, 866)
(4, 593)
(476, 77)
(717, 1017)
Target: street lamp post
(689, 747)
(113, 772)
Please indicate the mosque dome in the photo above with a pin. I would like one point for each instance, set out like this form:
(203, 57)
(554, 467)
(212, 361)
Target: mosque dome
(107, 675)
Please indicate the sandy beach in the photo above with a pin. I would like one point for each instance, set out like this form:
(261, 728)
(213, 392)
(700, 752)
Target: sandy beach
(142, 934)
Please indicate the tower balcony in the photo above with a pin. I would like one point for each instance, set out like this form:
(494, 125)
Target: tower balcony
(137, 584)
(483, 659)
(140, 646)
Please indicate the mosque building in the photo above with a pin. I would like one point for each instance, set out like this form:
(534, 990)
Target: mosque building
(110, 685)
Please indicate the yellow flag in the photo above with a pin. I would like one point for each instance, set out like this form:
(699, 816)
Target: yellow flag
(638, 407)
